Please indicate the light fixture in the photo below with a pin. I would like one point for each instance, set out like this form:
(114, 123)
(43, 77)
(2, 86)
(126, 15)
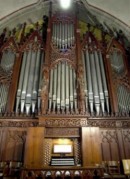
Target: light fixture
(65, 4)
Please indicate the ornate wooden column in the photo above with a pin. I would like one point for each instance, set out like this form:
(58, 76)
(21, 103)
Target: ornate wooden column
(46, 69)
(80, 76)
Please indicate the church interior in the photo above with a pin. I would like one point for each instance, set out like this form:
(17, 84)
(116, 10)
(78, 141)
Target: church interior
(64, 91)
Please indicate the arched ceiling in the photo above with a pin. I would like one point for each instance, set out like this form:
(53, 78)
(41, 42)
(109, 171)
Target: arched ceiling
(117, 8)
(30, 9)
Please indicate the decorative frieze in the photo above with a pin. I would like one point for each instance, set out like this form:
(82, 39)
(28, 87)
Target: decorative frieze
(11, 123)
(69, 122)
(66, 122)
(62, 132)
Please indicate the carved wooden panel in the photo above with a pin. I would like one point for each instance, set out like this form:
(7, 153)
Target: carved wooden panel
(91, 151)
(34, 155)
(13, 144)
(126, 142)
(47, 151)
(63, 122)
(115, 144)
(62, 132)
(77, 151)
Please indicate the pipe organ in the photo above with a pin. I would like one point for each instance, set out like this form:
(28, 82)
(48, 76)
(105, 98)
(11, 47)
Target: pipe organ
(59, 88)
(6, 68)
(95, 88)
(29, 86)
(120, 77)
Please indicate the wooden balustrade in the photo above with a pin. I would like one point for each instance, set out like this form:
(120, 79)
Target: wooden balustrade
(63, 172)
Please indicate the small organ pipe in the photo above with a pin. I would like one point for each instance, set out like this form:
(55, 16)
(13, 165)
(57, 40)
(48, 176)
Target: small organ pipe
(60, 36)
(66, 35)
(63, 35)
(57, 34)
(69, 35)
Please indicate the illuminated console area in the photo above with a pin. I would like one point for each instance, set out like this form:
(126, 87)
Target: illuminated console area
(62, 153)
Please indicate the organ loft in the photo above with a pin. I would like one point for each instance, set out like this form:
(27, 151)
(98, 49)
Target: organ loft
(64, 97)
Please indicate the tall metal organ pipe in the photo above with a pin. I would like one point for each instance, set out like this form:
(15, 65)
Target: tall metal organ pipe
(29, 88)
(95, 87)
(6, 68)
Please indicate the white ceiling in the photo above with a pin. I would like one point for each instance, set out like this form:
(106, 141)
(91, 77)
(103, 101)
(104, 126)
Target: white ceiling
(20, 10)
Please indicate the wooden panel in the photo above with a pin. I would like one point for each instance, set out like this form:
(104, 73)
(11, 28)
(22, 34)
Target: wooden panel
(91, 151)
(127, 149)
(114, 151)
(96, 146)
(34, 148)
(120, 144)
(126, 142)
(106, 151)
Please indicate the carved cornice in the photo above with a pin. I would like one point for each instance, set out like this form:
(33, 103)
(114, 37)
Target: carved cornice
(67, 122)
(109, 123)
(18, 123)
(64, 122)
